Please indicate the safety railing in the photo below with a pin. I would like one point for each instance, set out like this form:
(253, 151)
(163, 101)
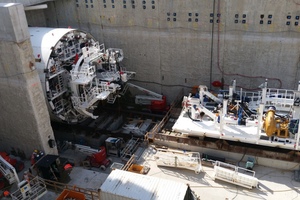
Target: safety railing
(150, 136)
(31, 190)
(58, 187)
(235, 175)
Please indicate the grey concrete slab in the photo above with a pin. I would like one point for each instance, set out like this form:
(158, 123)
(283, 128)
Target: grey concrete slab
(88, 179)
(273, 183)
(13, 24)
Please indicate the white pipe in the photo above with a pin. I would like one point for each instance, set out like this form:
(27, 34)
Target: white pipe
(8, 4)
(225, 102)
(264, 95)
(234, 85)
(200, 88)
(230, 93)
(37, 7)
(221, 115)
(260, 114)
(241, 94)
(298, 135)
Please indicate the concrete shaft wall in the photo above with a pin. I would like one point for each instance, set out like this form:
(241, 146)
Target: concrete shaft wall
(24, 120)
(175, 44)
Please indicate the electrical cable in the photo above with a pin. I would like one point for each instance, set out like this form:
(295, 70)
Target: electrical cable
(242, 157)
(197, 29)
(189, 115)
(164, 85)
(212, 45)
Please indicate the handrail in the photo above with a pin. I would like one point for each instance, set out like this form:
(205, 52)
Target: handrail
(151, 135)
(129, 162)
(59, 187)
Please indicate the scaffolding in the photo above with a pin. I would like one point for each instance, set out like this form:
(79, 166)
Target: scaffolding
(235, 175)
(179, 159)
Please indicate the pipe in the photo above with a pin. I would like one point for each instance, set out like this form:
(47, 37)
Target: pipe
(260, 115)
(298, 138)
(212, 46)
(37, 7)
(218, 46)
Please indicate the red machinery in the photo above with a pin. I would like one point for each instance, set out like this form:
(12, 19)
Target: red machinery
(159, 105)
(99, 159)
(17, 164)
(154, 101)
(8, 169)
(96, 158)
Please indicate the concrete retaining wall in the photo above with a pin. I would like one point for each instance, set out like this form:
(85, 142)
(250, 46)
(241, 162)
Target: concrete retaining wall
(24, 120)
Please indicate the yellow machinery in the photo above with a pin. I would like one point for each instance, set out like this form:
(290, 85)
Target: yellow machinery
(275, 126)
(283, 129)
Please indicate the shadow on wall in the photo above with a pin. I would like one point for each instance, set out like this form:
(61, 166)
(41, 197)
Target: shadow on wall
(18, 153)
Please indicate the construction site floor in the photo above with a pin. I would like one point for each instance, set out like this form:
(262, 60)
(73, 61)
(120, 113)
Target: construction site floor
(274, 184)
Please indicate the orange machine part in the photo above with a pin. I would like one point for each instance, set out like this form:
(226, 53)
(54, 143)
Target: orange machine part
(270, 123)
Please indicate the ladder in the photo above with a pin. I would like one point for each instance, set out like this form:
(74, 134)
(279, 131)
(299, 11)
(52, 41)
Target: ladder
(111, 99)
(60, 83)
(130, 148)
